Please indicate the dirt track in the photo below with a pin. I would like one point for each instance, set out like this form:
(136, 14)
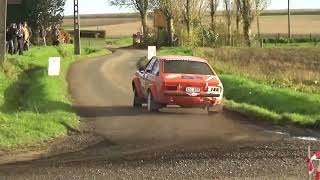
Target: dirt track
(173, 144)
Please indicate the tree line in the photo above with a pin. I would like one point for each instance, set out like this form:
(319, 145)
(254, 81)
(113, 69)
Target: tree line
(190, 14)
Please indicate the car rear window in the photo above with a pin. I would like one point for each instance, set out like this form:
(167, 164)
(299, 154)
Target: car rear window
(187, 67)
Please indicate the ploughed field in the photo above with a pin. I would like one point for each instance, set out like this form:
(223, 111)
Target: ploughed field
(126, 25)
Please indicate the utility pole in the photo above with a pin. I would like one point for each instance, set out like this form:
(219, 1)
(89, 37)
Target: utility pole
(289, 20)
(3, 21)
(76, 17)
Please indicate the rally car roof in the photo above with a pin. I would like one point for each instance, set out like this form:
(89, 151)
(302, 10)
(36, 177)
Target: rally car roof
(181, 58)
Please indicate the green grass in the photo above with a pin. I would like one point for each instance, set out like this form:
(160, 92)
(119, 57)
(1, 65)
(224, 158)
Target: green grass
(183, 51)
(35, 107)
(99, 43)
(277, 104)
(122, 42)
(260, 99)
(93, 43)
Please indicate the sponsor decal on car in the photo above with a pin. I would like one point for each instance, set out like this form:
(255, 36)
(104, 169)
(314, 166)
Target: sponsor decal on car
(214, 90)
(192, 77)
(315, 158)
(210, 78)
(193, 91)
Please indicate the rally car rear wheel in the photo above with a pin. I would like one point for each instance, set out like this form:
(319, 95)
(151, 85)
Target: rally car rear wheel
(152, 106)
(136, 100)
(215, 110)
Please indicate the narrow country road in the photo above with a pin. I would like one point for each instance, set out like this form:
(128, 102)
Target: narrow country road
(173, 144)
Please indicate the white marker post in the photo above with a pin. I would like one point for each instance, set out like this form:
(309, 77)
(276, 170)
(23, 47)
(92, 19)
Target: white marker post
(54, 66)
(152, 51)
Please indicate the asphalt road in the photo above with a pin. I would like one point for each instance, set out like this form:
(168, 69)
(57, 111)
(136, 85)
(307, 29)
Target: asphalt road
(172, 144)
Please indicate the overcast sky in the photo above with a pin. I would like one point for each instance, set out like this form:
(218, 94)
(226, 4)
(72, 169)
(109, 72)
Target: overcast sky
(101, 6)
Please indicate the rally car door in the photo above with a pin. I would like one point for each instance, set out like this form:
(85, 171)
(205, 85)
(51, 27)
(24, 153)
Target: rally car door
(146, 74)
(153, 77)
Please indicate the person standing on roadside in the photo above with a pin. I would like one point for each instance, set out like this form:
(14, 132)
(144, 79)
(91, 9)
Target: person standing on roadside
(20, 38)
(55, 36)
(26, 35)
(12, 39)
(7, 39)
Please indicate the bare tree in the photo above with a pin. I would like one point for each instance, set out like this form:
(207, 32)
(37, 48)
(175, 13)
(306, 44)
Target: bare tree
(142, 6)
(213, 10)
(199, 9)
(228, 4)
(248, 14)
(188, 17)
(193, 10)
(289, 20)
(260, 5)
(250, 9)
(238, 14)
(169, 9)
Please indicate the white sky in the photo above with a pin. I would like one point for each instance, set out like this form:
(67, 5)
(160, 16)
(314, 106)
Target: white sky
(102, 7)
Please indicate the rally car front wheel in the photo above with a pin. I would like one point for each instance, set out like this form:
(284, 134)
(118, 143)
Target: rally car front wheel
(136, 100)
(152, 106)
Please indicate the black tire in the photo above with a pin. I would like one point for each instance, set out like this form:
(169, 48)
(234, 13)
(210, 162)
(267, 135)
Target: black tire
(136, 100)
(219, 109)
(151, 105)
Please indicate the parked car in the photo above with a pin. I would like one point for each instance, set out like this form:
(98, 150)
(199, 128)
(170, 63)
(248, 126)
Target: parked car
(188, 82)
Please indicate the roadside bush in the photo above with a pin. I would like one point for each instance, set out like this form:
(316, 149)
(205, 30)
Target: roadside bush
(90, 50)
(123, 42)
(209, 37)
(292, 40)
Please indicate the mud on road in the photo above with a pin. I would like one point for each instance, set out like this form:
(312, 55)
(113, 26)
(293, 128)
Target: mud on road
(172, 144)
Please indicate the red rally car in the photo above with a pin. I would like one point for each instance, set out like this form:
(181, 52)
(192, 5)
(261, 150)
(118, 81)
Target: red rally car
(188, 82)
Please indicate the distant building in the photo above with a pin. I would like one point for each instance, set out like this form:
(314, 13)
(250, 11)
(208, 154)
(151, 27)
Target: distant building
(16, 11)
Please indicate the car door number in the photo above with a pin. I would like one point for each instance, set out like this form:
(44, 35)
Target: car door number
(214, 90)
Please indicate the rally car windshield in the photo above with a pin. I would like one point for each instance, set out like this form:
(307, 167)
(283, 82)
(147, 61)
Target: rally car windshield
(187, 67)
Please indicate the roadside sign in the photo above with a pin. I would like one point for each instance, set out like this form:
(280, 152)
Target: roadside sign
(54, 66)
(159, 19)
(152, 51)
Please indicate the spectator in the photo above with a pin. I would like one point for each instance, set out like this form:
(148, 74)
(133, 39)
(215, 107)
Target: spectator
(175, 40)
(20, 38)
(12, 37)
(43, 34)
(7, 39)
(55, 36)
(26, 35)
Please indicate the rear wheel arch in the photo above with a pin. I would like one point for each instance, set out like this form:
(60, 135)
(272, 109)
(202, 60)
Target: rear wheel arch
(136, 86)
(133, 85)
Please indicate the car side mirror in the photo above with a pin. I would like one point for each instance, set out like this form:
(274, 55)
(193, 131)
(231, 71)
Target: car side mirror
(141, 69)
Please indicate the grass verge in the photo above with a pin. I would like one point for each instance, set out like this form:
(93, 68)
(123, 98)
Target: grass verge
(35, 107)
(121, 42)
(93, 43)
(259, 98)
